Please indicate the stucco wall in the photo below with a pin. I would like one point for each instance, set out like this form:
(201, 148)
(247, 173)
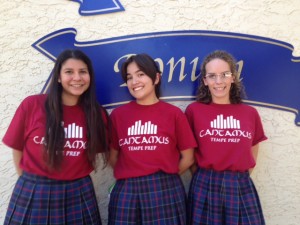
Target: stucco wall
(24, 71)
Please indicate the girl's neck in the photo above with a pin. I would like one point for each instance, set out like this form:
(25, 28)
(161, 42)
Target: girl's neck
(148, 101)
(69, 101)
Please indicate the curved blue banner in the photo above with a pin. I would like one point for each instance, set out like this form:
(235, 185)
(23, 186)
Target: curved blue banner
(270, 73)
(90, 7)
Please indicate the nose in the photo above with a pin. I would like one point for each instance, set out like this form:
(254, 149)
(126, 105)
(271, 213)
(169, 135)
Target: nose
(135, 79)
(219, 78)
(76, 76)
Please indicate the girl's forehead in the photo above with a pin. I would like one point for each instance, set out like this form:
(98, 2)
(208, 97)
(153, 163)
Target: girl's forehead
(217, 63)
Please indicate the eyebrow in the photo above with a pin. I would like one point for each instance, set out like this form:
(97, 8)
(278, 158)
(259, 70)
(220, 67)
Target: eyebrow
(219, 73)
(135, 72)
(84, 68)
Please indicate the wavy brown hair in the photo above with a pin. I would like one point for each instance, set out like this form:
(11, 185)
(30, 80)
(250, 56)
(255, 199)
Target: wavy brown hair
(96, 126)
(237, 90)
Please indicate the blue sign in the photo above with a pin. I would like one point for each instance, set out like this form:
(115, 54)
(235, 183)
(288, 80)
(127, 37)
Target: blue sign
(270, 73)
(91, 7)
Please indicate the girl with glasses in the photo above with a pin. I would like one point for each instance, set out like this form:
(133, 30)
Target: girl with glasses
(228, 133)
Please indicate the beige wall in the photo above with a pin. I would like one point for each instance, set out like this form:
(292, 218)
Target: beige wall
(24, 72)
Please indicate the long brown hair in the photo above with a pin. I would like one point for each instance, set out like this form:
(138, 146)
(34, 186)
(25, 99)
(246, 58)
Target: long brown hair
(96, 126)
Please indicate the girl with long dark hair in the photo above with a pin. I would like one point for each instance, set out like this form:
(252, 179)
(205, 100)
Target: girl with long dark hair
(56, 138)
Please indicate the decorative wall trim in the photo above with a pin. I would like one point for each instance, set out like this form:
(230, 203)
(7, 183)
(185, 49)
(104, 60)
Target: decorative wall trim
(89, 7)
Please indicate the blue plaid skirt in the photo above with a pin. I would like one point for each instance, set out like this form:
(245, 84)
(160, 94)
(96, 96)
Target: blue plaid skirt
(40, 200)
(158, 198)
(221, 198)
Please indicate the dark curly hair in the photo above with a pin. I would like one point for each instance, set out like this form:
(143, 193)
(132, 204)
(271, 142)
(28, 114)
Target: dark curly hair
(237, 90)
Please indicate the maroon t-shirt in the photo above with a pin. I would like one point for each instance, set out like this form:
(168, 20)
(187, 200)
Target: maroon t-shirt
(26, 133)
(149, 138)
(225, 135)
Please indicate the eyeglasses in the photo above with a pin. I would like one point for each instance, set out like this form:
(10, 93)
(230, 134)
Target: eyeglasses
(223, 76)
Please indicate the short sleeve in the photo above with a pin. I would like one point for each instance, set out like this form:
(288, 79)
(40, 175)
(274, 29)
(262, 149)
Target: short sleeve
(113, 133)
(185, 136)
(15, 134)
(189, 115)
(259, 134)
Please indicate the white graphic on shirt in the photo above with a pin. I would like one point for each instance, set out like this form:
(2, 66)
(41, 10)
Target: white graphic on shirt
(73, 131)
(225, 130)
(72, 147)
(146, 128)
(223, 123)
(143, 136)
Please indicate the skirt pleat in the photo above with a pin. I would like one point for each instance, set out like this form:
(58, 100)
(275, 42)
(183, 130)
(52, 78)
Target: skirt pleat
(250, 210)
(154, 199)
(219, 198)
(39, 200)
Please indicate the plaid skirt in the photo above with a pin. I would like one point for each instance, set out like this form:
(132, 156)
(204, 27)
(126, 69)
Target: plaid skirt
(221, 198)
(158, 198)
(40, 200)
